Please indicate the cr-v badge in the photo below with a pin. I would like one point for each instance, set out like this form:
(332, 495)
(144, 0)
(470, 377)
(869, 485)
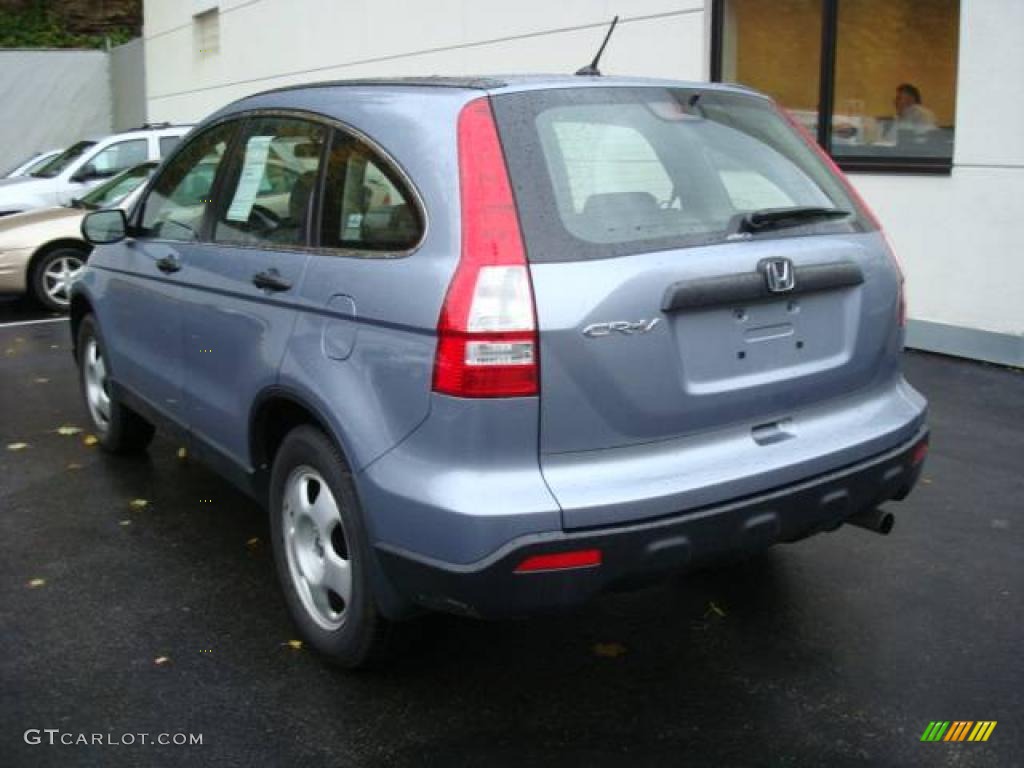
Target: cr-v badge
(620, 326)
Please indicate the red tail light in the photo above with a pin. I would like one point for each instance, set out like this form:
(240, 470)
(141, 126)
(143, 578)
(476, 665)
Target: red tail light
(865, 209)
(560, 561)
(487, 331)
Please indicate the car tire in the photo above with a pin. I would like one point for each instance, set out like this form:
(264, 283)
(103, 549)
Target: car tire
(321, 550)
(52, 274)
(118, 428)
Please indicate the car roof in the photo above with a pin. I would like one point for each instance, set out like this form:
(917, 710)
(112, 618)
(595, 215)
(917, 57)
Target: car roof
(510, 83)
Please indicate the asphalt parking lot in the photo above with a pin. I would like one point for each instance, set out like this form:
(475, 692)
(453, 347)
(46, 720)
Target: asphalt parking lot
(164, 617)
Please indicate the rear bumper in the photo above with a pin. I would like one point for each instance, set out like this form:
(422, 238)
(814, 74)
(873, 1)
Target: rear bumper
(639, 553)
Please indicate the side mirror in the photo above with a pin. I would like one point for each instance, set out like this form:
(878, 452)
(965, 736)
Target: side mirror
(106, 226)
(86, 173)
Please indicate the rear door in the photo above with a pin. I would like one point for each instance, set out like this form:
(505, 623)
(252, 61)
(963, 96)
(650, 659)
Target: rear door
(663, 313)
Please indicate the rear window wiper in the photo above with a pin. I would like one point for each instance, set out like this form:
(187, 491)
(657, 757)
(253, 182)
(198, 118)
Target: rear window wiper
(777, 218)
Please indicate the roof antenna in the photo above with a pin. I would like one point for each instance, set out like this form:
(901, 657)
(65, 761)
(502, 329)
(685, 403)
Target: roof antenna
(591, 69)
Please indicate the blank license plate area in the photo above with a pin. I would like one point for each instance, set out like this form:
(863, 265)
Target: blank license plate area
(749, 345)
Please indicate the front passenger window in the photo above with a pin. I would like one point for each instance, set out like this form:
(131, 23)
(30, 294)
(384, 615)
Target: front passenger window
(176, 204)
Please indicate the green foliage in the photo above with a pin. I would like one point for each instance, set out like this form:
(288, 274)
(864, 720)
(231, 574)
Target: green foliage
(39, 27)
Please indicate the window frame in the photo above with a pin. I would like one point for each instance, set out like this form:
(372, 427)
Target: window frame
(312, 245)
(941, 166)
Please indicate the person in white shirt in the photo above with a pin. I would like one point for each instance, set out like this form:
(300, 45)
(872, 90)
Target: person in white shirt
(910, 113)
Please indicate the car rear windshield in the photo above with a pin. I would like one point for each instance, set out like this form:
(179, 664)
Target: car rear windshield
(610, 171)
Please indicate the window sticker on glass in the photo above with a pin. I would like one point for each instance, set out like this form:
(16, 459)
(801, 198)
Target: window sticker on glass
(253, 170)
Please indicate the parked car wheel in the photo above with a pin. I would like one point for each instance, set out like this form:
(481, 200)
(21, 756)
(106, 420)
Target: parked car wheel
(321, 550)
(53, 274)
(119, 429)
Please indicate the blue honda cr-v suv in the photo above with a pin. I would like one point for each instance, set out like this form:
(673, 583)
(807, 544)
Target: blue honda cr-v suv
(493, 346)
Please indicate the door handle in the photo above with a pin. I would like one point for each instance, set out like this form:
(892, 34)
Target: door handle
(168, 264)
(270, 280)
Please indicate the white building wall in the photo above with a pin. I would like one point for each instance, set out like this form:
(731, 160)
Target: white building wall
(270, 43)
(964, 265)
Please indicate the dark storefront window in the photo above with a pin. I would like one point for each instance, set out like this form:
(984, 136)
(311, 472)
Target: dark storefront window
(874, 82)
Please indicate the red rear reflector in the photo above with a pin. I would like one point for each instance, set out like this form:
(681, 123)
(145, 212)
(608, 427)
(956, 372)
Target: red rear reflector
(560, 561)
(920, 451)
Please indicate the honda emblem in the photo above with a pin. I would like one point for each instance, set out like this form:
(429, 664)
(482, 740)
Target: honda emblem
(779, 275)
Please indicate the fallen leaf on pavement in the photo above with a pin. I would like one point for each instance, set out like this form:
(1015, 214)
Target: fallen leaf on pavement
(138, 503)
(66, 430)
(182, 453)
(295, 645)
(90, 440)
(36, 583)
(17, 446)
(253, 542)
(609, 650)
(161, 660)
(714, 609)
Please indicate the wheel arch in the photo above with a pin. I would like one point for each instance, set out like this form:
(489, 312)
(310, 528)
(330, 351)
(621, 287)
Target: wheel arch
(53, 245)
(275, 412)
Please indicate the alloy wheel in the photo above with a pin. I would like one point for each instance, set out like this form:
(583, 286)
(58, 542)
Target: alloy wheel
(316, 548)
(58, 277)
(97, 392)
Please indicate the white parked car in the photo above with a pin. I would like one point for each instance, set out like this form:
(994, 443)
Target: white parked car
(33, 163)
(85, 164)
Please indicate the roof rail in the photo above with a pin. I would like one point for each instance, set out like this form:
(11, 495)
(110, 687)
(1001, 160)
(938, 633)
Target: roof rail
(153, 126)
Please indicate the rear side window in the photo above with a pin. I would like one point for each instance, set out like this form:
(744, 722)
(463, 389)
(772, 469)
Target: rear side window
(366, 207)
(601, 172)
